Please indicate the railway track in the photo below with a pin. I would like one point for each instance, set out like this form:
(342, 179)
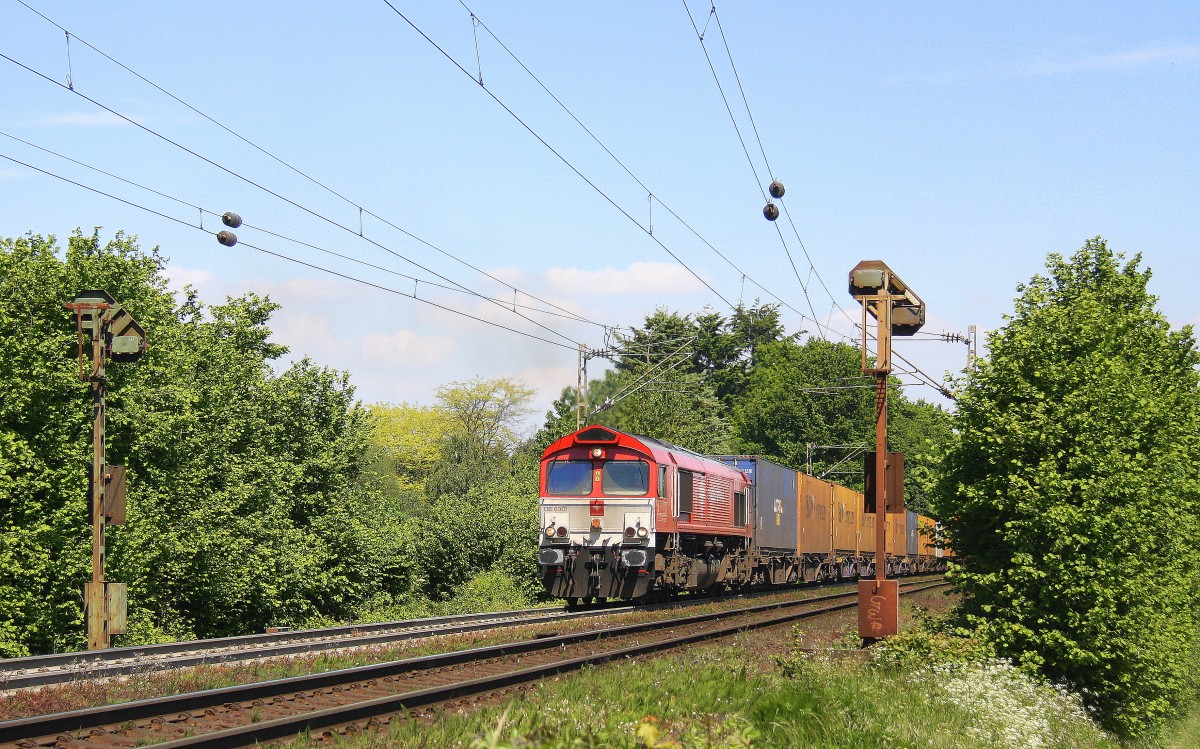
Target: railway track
(22, 673)
(401, 690)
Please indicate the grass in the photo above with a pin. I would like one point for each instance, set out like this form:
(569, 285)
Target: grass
(84, 694)
(721, 697)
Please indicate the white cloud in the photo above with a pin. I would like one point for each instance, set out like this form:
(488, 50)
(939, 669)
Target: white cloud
(638, 278)
(406, 348)
(1061, 64)
(309, 334)
(178, 277)
(1112, 61)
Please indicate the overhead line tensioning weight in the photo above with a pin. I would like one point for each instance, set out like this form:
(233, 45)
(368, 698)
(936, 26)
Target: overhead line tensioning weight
(114, 333)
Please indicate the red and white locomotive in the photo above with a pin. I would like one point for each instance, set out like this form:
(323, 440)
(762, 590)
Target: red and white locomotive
(627, 516)
(623, 516)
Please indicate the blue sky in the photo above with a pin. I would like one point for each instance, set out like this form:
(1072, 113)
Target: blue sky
(959, 142)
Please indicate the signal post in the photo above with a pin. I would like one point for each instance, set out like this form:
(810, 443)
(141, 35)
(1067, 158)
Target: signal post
(897, 312)
(114, 333)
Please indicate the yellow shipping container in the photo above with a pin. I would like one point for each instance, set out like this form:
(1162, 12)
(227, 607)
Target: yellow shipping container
(847, 509)
(816, 516)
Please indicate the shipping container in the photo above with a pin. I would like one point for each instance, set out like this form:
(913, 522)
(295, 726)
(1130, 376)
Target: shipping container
(866, 530)
(897, 536)
(776, 488)
(911, 529)
(847, 509)
(926, 545)
(816, 516)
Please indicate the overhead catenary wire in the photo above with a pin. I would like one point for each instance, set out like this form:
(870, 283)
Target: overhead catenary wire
(361, 209)
(557, 154)
(275, 194)
(294, 240)
(812, 267)
(766, 161)
(643, 379)
(282, 256)
(652, 196)
(745, 150)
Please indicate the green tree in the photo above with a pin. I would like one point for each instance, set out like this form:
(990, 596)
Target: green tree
(247, 504)
(408, 440)
(45, 426)
(805, 393)
(679, 407)
(920, 430)
(484, 429)
(1071, 494)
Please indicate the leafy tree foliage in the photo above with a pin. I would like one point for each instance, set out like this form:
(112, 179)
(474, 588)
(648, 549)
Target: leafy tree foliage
(680, 407)
(1071, 493)
(247, 505)
(483, 420)
(407, 441)
(719, 349)
(801, 394)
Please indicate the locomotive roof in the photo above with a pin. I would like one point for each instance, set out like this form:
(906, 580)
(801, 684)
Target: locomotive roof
(650, 443)
(675, 448)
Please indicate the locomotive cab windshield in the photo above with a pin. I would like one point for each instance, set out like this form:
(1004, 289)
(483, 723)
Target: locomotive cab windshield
(625, 478)
(569, 478)
(618, 478)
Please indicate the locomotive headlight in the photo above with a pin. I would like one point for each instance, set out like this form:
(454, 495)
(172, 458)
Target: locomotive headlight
(630, 531)
(643, 533)
(549, 531)
(562, 531)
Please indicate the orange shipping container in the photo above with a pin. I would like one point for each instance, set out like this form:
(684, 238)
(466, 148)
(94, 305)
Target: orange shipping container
(816, 517)
(925, 541)
(847, 507)
(866, 531)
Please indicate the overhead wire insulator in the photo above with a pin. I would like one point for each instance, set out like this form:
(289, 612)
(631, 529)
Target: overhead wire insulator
(771, 212)
(227, 238)
(776, 189)
(231, 219)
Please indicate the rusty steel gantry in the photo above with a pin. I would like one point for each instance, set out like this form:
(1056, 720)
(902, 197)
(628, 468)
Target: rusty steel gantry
(114, 333)
(898, 311)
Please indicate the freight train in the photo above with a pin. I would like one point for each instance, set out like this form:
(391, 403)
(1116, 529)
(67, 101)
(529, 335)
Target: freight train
(632, 517)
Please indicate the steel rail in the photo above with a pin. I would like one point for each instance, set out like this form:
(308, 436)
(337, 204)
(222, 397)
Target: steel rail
(65, 724)
(58, 668)
(19, 673)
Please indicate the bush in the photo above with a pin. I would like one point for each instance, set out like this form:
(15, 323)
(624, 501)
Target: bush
(1070, 491)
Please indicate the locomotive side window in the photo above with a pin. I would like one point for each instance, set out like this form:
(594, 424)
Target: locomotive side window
(662, 482)
(739, 508)
(572, 478)
(684, 485)
(625, 478)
